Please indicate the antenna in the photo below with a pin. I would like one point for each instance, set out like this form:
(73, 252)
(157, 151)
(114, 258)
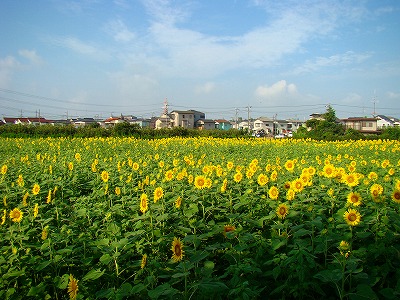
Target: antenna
(165, 108)
(374, 101)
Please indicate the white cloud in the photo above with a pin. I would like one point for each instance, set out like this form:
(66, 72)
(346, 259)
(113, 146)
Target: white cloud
(7, 66)
(278, 89)
(31, 56)
(347, 58)
(393, 95)
(206, 88)
(81, 47)
(120, 31)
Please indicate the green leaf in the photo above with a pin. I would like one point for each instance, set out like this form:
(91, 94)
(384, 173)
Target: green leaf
(388, 293)
(35, 290)
(105, 259)
(276, 272)
(93, 274)
(178, 275)
(162, 290)
(62, 282)
(329, 275)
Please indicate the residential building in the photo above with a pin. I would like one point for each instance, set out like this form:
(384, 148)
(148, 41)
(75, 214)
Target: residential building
(165, 121)
(361, 124)
(26, 121)
(205, 124)
(384, 121)
(183, 118)
(222, 124)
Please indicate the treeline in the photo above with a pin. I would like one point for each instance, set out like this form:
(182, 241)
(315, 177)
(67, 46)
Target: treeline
(118, 130)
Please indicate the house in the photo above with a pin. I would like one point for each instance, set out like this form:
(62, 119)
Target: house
(81, 122)
(273, 126)
(246, 125)
(183, 118)
(222, 124)
(26, 121)
(165, 121)
(361, 124)
(204, 124)
(265, 124)
(384, 121)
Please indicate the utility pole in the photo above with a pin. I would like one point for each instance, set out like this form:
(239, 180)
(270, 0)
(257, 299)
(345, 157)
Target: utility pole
(374, 101)
(236, 117)
(248, 117)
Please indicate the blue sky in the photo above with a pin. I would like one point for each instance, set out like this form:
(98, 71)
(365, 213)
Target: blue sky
(285, 58)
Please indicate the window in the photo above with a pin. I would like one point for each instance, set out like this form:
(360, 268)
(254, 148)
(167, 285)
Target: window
(258, 125)
(183, 116)
(364, 124)
(370, 124)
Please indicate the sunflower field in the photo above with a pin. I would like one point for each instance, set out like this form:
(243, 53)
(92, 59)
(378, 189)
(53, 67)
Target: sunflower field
(199, 218)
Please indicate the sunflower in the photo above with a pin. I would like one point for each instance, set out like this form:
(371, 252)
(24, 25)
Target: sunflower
(35, 189)
(178, 202)
(4, 217)
(4, 169)
(144, 203)
(70, 166)
(117, 190)
(144, 261)
(48, 199)
(78, 157)
(16, 215)
(158, 194)
(282, 211)
(169, 175)
(45, 233)
(351, 179)
(20, 180)
(72, 287)
(229, 165)
(273, 192)
(200, 182)
(297, 185)
(289, 165)
(35, 210)
(376, 190)
(274, 175)
(238, 177)
(352, 217)
(372, 176)
(396, 196)
(262, 179)
(24, 198)
(224, 185)
(354, 198)
(228, 228)
(290, 194)
(177, 250)
(104, 176)
(329, 171)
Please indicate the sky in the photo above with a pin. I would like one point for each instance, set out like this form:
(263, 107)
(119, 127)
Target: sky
(282, 59)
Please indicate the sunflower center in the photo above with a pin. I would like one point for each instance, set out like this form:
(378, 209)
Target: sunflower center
(354, 199)
(396, 195)
(178, 250)
(352, 217)
(282, 211)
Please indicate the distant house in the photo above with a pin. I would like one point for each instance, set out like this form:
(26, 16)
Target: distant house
(317, 116)
(26, 121)
(222, 124)
(183, 118)
(80, 122)
(361, 124)
(271, 126)
(164, 121)
(245, 125)
(384, 121)
(205, 124)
